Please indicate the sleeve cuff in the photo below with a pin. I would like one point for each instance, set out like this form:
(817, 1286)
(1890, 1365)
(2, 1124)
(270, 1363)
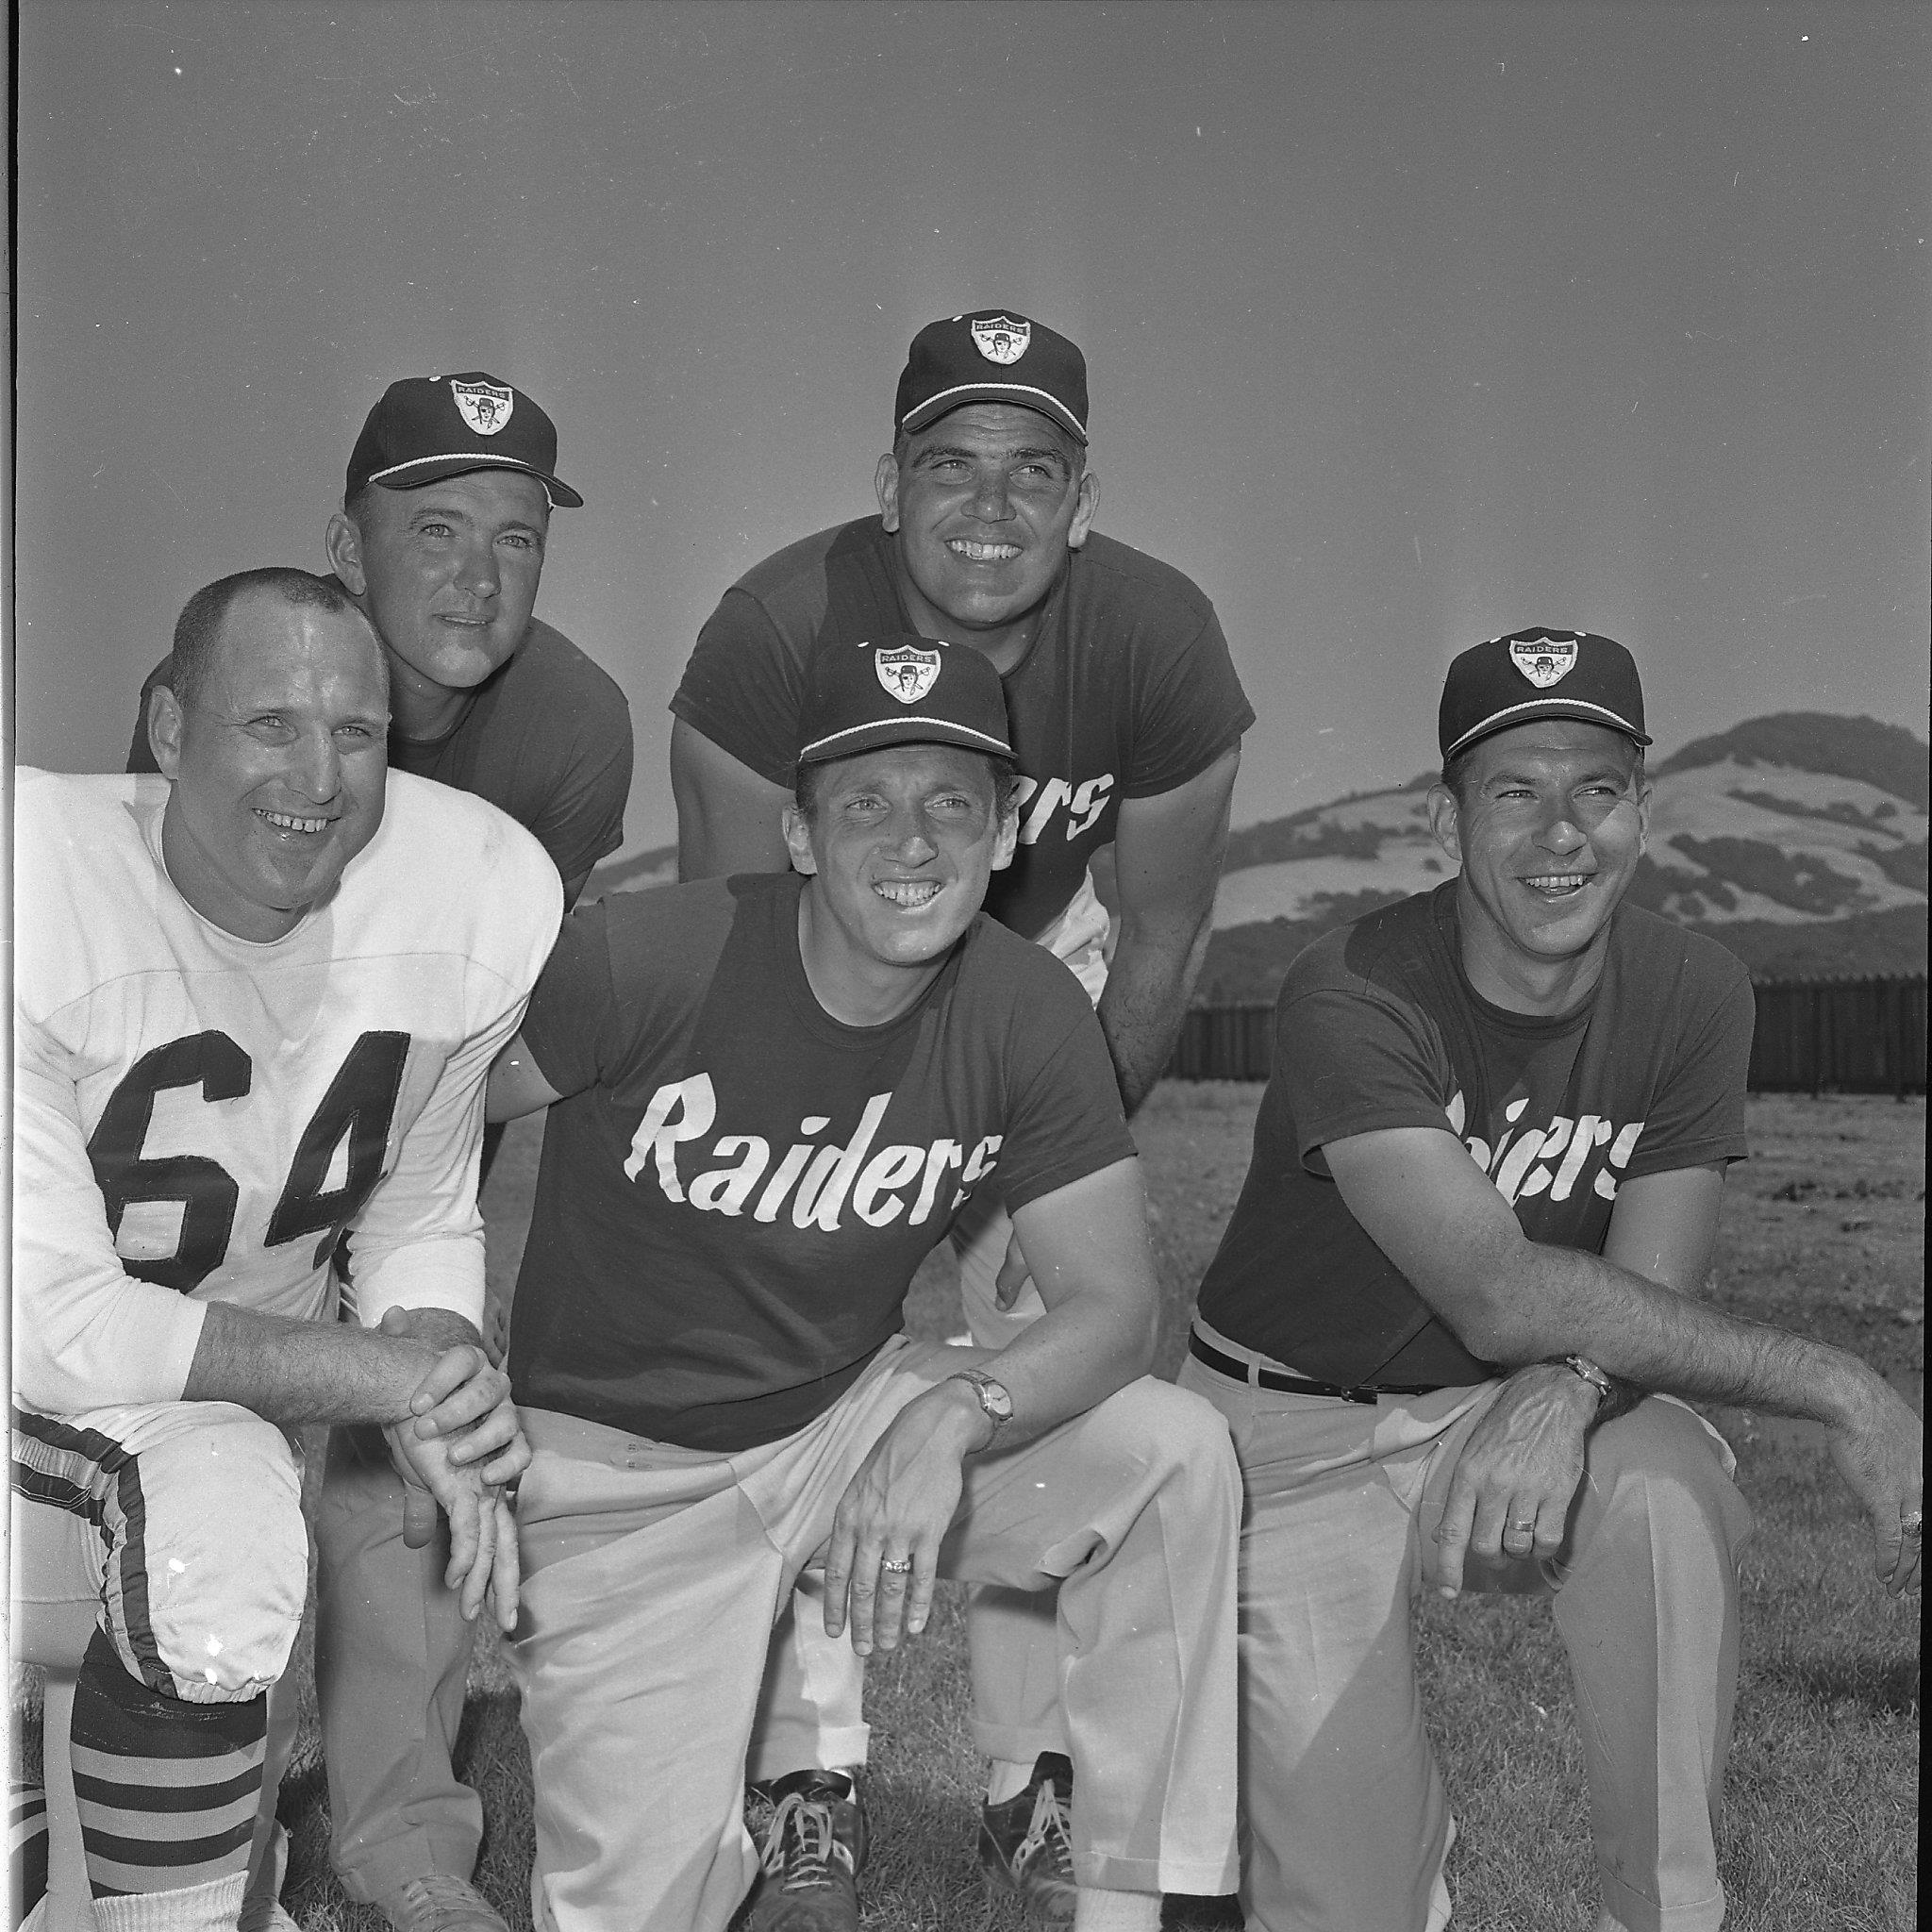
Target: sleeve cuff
(429, 1275)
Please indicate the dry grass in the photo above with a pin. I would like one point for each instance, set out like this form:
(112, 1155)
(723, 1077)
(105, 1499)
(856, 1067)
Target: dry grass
(1823, 1233)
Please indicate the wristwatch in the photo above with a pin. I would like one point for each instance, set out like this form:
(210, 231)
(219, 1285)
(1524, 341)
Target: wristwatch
(993, 1397)
(1581, 1365)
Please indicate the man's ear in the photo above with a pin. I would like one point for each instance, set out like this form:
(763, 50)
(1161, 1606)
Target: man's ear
(885, 480)
(1007, 841)
(344, 545)
(164, 722)
(1445, 821)
(1083, 513)
(798, 840)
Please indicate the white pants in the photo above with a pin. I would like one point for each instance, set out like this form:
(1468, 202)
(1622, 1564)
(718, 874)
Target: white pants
(655, 1574)
(1345, 1821)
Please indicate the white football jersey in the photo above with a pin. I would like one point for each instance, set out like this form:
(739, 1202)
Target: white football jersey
(200, 1117)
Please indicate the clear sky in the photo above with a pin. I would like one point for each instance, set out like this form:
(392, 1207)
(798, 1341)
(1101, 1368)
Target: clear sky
(1407, 325)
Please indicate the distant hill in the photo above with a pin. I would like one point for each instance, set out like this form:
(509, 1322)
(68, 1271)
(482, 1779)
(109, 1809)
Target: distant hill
(1798, 840)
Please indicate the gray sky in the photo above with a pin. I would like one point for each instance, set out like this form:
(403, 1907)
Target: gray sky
(1407, 325)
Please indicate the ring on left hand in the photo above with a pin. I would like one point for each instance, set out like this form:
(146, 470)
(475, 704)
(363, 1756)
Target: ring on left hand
(898, 1567)
(1912, 1523)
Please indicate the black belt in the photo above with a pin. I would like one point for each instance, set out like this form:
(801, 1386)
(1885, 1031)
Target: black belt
(1240, 1370)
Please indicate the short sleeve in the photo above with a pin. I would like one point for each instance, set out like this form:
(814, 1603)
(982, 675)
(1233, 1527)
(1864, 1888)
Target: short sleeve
(1066, 1119)
(1353, 1062)
(1698, 1115)
(568, 1025)
(1194, 711)
(742, 688)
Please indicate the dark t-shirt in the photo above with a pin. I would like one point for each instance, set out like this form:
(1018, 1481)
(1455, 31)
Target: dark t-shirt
(1127, 690)
(546, 738)
(1377, 1026)
(735, 1196)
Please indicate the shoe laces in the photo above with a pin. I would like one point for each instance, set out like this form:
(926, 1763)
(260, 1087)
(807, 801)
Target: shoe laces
(801, 1843)
(439, 1899)
(1051, 1831)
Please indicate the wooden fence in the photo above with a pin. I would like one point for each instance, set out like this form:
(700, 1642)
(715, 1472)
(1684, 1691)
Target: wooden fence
(1835, 1036)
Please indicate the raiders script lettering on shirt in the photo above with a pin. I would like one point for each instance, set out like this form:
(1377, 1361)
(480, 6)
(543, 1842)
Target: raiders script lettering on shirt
(1521, 1164)
(821, 1180)
(1085, 802)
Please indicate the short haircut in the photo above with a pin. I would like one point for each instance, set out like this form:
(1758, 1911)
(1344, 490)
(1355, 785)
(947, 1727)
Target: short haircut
(198, 630)
(809, 781)
(1455, 772)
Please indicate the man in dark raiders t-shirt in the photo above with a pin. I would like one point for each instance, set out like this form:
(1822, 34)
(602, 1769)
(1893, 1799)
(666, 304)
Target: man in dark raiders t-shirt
(1127, 716)
(1460, 1280)
(770, 1095)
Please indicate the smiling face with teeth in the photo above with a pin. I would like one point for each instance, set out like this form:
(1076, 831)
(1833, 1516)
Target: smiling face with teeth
(279, 763)
(986, 503)
(897, 845)
(1547, 821)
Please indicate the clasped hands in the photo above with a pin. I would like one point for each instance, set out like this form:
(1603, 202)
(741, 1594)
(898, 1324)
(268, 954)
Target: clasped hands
(460, 1445)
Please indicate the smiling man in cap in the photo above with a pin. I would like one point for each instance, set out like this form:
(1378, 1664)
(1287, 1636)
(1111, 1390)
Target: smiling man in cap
(440, 543)
(1126, 717)
(769, 1098)
(1456, 1303)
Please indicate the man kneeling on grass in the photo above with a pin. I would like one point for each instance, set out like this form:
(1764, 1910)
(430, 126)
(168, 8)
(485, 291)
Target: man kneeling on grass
(1484, 1192)
(771, 1095)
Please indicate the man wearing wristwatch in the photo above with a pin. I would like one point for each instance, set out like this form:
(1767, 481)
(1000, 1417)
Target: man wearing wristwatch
(1460, 1277)
(770, 1095)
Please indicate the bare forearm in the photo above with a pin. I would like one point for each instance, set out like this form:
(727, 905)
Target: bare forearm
(1148, 983)
(1559, 1301)
(311, 1372)
(1071, 1360)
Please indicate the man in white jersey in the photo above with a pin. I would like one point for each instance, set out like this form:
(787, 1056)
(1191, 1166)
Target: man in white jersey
(256, 1001)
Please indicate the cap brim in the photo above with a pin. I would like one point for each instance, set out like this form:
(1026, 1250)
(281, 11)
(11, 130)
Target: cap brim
(423, 471)
(1022, 395)
(911, 729)
(1580, 708)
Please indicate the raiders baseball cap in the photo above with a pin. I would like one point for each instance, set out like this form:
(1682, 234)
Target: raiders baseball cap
(901, 690)
(992, 356)
(1540, 674)
(427, 427)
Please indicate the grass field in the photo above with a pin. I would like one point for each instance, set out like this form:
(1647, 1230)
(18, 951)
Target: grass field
(1823, 1233)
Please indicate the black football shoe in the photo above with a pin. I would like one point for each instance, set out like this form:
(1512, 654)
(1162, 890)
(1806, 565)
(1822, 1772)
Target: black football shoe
(811, 1830)
(1026, 1843)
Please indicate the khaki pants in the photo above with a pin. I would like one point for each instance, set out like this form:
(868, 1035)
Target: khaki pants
(1345, 1821)
(655, 1577)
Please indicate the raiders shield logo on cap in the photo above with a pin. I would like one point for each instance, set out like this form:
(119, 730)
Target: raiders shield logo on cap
(1543, 660)
(907, 675)
(1001, 339)
(485, 408)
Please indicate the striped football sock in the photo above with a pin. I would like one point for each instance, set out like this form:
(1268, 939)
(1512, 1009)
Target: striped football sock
(168, 1790)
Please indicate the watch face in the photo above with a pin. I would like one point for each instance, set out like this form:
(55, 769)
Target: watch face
(993, 1397)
